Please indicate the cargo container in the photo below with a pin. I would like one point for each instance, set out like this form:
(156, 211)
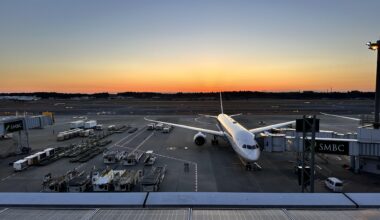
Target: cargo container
(49, 152)
(41, 155)
(77, 124)
(90, 124)
(84, 133)
(32, 159)
(20, 165)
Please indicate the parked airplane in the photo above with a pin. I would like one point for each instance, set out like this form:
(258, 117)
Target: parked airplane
(241, 139)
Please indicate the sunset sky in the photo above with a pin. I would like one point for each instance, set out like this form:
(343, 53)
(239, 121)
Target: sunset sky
(184, 46)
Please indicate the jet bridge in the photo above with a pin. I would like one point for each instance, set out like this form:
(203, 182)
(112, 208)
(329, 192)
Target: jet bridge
(363, 147)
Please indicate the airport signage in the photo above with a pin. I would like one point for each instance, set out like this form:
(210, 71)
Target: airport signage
(13, 126)
(332, 147)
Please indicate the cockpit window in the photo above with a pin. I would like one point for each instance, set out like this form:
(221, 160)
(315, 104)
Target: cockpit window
(250, 147)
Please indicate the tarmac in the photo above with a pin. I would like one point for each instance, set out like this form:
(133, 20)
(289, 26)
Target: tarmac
(211, 168)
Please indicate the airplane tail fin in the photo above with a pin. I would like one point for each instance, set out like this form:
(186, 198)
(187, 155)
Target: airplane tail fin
(221, 103)
(235, 115)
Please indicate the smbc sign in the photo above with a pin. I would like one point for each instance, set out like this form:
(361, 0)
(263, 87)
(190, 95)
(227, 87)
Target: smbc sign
(332, 147)
(13, 126)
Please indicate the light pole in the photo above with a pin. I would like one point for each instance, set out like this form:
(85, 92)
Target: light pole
(375, 46)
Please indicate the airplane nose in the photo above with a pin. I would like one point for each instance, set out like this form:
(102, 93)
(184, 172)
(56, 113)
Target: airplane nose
(254, 155)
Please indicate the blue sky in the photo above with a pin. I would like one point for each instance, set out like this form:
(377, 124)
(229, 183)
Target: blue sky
(51, 39)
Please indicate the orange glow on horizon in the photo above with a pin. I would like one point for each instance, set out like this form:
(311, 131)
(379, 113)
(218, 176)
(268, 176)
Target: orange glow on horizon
(201, 75)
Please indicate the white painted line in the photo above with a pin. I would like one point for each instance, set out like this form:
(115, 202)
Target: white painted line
(147, 138)
(129, 141)
(196, 177)
(81, 165)
(340, 116)
(5, 178)
(127, 136)
(1, 211)
(118, 143)
(89, 216)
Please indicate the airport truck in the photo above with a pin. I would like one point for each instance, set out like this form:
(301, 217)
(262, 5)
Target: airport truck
(167, 129)
(111, 157)
(159, 126)
(77, 124)
(133, 158)
(152, 181)
(150, 159)
(90, 124)
(151, 126)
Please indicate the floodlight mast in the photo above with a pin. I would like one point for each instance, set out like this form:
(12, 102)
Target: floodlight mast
(375, 46)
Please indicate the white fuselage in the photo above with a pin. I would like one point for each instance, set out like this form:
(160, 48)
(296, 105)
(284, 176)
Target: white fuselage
(242, 141)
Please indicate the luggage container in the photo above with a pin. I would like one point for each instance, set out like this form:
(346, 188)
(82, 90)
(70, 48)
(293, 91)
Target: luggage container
(84, 133)
(32, 159)
(49, 152)
(61, 136)
(91, 131)
(41, 156)
(20, 165)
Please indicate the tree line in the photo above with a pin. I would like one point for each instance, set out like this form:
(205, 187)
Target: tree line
(229, 95)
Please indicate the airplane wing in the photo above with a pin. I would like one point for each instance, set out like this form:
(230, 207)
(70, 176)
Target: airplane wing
(269, 127)
(207, 131)
(340, 116)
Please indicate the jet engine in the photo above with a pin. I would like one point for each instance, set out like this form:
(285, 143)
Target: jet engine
(199, 139)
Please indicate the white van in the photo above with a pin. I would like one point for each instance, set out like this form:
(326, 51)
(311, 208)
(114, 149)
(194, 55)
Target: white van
(335, 184)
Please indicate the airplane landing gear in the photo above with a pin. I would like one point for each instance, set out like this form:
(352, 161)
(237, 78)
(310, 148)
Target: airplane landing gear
(253, 167)
(215, 141)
